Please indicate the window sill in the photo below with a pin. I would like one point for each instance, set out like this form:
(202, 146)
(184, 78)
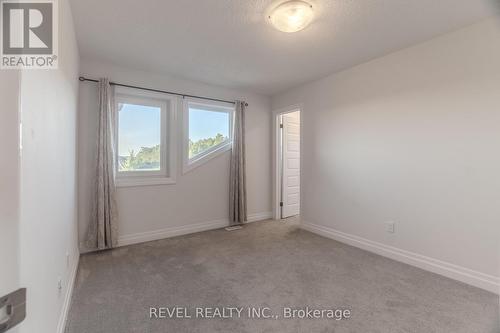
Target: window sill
(144, 181)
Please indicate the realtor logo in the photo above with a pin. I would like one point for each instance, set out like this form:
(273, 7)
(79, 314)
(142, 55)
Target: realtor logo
(29, 34)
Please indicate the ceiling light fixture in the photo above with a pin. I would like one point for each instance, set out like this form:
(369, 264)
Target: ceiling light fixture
(292, 16)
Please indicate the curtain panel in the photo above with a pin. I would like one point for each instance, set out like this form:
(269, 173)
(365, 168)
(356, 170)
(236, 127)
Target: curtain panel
(237, 174)
(102, 232)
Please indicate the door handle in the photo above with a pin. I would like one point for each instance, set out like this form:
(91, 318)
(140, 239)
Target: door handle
(14, 305)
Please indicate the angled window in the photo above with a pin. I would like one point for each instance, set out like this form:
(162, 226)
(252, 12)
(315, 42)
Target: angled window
(207, 131)
(145, 151)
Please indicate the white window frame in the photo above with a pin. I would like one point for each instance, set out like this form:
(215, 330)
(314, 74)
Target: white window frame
(194, 162)
(167, 103)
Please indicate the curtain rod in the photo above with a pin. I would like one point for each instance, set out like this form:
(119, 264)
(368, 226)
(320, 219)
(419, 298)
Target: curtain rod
(82, 78)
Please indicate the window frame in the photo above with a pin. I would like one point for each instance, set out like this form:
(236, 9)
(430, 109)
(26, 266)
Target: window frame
(167, 104)
(200, 159)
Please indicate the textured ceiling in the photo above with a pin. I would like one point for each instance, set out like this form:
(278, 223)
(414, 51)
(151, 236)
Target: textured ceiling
(230, 42)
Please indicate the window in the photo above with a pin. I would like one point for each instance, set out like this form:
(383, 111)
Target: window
(145, 150)
(140, 137)
(207, 131)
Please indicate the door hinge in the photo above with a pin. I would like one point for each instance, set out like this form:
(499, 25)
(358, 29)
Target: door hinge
(281, 125)
(15, 309)
(281, 204)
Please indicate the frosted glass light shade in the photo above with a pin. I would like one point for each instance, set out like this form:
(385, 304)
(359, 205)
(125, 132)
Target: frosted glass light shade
(292, 16)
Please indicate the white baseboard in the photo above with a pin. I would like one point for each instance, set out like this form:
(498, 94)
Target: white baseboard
(148, 236)
(70, 283)
(184, 230)
(462, 274)
(259, 217)
(171, 232)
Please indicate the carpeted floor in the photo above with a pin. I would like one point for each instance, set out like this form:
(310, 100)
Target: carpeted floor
(269, 264)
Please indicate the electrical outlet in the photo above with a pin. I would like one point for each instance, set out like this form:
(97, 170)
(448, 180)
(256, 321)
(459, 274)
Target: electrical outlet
(59, 283)
(389, 227)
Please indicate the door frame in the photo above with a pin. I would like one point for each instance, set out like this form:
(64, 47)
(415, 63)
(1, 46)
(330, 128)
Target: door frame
(276, 156)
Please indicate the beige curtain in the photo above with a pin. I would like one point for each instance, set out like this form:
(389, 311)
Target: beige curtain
(237, 175)
(102, 232)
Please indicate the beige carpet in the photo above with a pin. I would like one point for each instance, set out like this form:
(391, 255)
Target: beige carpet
(273, 265)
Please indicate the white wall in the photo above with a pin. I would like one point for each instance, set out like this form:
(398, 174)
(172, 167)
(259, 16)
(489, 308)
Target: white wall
(9, 181)
(149, 212)
(48, 228)
(412, 137)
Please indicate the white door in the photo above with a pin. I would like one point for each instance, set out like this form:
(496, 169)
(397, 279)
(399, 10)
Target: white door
(291, 164)
(9, 191)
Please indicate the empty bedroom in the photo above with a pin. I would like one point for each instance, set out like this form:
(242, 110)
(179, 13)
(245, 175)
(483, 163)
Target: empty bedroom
(250, 166)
